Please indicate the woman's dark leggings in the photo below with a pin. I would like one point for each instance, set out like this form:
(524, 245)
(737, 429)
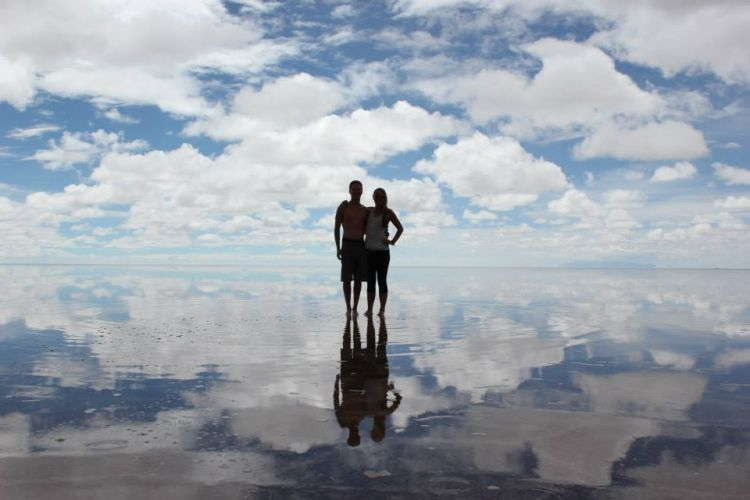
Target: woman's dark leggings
(377, 262)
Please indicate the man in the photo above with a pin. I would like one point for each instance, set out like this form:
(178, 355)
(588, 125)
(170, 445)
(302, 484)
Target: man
(351, 250)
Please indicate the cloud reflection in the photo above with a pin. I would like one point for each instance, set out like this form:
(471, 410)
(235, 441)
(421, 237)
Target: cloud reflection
(548, 374)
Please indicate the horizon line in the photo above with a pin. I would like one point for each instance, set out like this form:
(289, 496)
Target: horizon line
(322, 266)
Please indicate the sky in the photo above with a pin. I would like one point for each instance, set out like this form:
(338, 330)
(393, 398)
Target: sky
(506, 133)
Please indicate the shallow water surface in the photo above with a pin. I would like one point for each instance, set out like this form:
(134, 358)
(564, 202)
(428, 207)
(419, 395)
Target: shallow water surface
(501, 383)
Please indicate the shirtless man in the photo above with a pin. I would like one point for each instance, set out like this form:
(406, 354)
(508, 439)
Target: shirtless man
(351, 251)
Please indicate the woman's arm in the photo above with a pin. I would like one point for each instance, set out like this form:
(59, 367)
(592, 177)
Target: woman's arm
(399, 228)
(394, 404)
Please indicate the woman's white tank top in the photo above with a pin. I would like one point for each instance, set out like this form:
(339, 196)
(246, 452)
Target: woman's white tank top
(375, 232)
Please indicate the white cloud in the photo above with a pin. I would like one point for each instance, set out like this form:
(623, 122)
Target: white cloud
(260, 5)
(362, 136)
(125, 55)
(734, 203)
(16, 82)
(671, 36)
(282, 104)
(364, 79)
(182, 197)
(421, 7)
(33, 131)
(674, 36)
(653, 141)
(634, 175)
(609, 218)
(427, 222)
(478, 216)
(680, 170)
(731, 175)
(414, 40)
(115, 115)
(555, 98)
(575, 203)
(623, 198)
(495, 173)
(342, 11)
(81, 148)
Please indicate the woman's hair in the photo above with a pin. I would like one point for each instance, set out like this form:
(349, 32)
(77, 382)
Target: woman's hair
(385, 212)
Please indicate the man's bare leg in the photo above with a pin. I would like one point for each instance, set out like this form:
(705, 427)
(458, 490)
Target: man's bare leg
(357, 290)
(383, 300)
(370, 303)
(347, 295)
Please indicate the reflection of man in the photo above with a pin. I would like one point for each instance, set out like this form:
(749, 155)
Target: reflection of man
(363, 383)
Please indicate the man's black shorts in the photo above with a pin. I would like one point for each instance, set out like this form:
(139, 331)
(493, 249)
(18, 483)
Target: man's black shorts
(353, 260)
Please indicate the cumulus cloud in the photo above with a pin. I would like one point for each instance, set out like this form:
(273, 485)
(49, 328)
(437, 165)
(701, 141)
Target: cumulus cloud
(554, 98)
(478, 216)
(292, 100)
(616, 117)
(99, 52)
(624, 198)
(279, 105)
(297, 138)
(575, 203)
(653, 141)
(182, 197)
(730, 174)
(674, 36)
(362, 136)
(680, 170)
(115, 115)
(612, 216)
(342, 11)
(734, 203)
(671, 36)
(79, 148)
(494, 172)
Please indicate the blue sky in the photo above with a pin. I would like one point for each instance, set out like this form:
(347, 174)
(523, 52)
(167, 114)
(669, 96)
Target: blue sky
(533, 133)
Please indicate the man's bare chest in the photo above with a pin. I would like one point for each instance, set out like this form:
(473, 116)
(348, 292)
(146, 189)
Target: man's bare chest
(354, 215)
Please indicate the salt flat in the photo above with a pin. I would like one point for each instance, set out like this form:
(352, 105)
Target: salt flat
(158, 382)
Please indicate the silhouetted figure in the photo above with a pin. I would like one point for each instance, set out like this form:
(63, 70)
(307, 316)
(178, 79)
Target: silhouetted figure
(377, 245)
(352, 215)
(363, 383)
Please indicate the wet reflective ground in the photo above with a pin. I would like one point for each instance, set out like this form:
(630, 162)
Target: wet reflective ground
(498, 383)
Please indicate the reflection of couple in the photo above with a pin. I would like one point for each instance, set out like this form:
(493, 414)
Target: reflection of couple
(364, 250)
(363, 382)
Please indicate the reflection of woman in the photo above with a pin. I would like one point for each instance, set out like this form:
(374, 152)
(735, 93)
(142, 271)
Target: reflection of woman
(363, 383)
(377, 245)
(377, 385)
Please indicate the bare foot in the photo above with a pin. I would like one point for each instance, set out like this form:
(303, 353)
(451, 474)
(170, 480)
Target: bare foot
(381, 313)
(368, 313)
(354, 311)
(348, 312)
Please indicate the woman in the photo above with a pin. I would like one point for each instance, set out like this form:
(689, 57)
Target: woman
(377, 243)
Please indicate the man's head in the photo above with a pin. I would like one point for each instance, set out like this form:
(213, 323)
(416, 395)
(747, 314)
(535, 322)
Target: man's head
(355, 190)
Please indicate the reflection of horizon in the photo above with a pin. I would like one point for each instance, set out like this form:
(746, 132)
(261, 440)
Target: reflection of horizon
(362, 386)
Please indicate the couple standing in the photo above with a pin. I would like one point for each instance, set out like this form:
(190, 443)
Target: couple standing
(364, 251)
